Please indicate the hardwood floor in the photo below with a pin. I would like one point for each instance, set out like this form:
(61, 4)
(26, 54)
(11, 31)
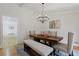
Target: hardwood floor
(14, 51)
(76, 48)
(1, 52)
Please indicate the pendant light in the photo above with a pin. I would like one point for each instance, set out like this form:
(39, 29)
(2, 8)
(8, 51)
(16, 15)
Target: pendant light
(43, 17)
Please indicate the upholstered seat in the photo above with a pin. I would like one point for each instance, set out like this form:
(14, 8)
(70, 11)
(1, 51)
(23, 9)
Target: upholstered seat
(38, 47)
(61, 47)
(66, 48)
(51, 33)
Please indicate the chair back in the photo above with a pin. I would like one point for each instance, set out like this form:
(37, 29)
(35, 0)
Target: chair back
(70, 42)
(32, 32)
(53, 33)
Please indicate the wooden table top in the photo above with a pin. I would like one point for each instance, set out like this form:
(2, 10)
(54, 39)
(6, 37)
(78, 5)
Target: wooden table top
(50, 38)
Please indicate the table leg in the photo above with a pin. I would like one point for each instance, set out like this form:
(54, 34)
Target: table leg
(50, 44)
(38, 40)
(45, 41)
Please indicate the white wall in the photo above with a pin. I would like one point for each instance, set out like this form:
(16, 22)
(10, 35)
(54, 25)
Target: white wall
(69, 23)
(26, 20)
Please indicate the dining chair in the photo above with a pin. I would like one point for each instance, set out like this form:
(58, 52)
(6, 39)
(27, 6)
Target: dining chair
(65, 48)
(51, 33)
(45, 35)
(31, 33)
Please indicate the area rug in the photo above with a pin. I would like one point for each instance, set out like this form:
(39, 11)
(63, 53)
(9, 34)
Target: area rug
(21, 52)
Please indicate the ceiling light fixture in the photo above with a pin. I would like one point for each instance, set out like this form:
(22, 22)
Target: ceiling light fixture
(43, 17)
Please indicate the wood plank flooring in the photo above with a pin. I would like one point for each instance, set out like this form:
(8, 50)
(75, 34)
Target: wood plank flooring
(14, 52)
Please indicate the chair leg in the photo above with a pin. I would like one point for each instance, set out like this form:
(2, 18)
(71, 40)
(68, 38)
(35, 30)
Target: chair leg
(54, 52)
(58, 51)
(50, 54)
(71, 54)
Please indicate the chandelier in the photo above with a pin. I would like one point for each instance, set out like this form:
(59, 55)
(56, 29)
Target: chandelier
(43, 17)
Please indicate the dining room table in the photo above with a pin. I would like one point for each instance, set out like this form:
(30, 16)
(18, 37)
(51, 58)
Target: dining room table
(50, 39)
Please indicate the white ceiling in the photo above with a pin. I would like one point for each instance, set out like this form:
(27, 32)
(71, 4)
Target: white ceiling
(48, 6)
(52, 6)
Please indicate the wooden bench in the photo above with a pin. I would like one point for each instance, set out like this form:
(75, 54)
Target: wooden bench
(39, 48)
